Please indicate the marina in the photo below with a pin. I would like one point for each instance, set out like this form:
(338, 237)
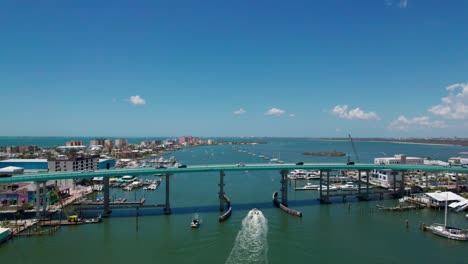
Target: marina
(249, 189)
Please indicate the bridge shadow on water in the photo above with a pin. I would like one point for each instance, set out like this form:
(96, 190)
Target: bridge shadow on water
(188, 210)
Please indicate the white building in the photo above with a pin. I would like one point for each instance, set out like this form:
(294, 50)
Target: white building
(386, 177)
(399, 159)
(121, 142)
(80, 163)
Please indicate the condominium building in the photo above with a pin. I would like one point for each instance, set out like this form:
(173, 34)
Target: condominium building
(121, 142)
(97, 142)
(72, 143)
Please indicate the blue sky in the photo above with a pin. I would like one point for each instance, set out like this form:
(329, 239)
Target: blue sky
(377, 68)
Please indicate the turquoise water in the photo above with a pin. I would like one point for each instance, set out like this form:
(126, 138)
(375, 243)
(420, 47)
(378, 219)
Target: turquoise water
(352, 232)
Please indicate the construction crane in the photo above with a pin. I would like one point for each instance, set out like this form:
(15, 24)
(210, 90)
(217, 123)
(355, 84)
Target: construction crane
(70, 218)
(354, 150)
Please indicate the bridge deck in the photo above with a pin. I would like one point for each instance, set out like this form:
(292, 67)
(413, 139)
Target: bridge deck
(228, 167)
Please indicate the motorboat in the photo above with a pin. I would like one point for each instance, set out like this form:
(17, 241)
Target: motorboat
(447, 231)
(349, 186)
(331, 188)
(255, 211)
(195, 222)
(309, 186)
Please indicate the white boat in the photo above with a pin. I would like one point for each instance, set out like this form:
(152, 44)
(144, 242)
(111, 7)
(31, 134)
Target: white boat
(349, 186)
(195, 223)
(309, 186)
(331, 188)
(447, 231)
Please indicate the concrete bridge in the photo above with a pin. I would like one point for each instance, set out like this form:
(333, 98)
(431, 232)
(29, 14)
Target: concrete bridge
(325, 168)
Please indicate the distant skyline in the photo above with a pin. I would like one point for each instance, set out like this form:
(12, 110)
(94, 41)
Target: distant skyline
(375, 68)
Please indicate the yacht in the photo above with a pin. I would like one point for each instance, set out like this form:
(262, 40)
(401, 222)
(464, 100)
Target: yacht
(447, 231)
(309, 186)
(349, 186)
(331, 188)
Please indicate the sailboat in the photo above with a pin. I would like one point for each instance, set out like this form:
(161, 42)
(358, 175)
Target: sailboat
(447, 231)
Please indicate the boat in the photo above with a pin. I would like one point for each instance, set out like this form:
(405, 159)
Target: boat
(349, 186)
(195, 223)
(331, 188)
(255, 211)
(447, 231)
(309, 186)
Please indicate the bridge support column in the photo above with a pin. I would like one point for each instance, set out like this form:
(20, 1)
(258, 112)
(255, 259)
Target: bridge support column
(394, 173)
(320, 186)
(39, 198)
(359, 183)
(167, 208)
(328, 186)
(457, 187)
(221, 191)
(367, 184)
(402, 183)
(106, 197)
(284, 187)
(427, 180)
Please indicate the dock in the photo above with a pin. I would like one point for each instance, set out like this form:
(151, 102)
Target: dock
(66, 222)
(398, 208)
(114, 203)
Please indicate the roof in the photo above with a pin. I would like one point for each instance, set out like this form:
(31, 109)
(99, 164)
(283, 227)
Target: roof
(24, 160)
(442, 196)
(11, 169)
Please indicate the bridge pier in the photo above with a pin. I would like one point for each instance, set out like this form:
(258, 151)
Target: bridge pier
(221, 191)
(167, 208)
(325, 199)
(106, 197)
(284, 187)
(367, 186)
(359, 183)
(40, 198)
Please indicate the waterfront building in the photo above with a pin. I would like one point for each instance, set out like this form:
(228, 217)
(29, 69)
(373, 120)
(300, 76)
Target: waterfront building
(186, 140)
(74, 143)
(121, 142)
(399, 159)
(462, 159)
(77, 163)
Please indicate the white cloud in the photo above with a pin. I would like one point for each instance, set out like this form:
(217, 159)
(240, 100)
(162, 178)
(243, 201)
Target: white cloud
(136, 99)
(399, 4)
(292, 115)
(240, 111)
(403, 123)
(403, 4)
(275, 111)
(455, 105)
(356, 113)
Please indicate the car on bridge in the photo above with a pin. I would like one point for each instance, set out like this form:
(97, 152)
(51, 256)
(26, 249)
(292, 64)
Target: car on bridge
(241, 164)
(182, 166)
(300, 163)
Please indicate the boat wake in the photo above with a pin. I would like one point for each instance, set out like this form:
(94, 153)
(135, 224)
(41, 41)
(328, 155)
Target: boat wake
(251, 241)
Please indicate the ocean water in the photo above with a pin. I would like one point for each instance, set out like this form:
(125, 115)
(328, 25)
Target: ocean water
(350, 232)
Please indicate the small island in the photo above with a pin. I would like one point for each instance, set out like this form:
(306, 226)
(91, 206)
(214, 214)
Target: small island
(325, 153)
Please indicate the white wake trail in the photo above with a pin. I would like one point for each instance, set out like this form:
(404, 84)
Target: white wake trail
(251, 242)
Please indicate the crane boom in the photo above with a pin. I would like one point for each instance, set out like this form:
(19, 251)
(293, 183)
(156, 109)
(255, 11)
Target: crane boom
(354, 148)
